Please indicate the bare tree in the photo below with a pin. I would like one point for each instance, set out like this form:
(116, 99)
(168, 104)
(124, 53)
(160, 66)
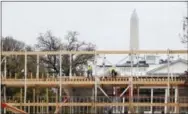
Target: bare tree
(184, 36)
(48, 42)
(15, 64)
(10, 44)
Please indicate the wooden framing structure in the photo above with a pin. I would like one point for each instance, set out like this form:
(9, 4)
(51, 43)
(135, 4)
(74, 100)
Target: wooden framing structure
(82, 82)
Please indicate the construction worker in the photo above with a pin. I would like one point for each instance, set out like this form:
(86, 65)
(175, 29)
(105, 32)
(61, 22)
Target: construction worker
(113, 72)
(89, 71)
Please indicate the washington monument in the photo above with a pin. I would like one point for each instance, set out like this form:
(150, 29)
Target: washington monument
(134, 31)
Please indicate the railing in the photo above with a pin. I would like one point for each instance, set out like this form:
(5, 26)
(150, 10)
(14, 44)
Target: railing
(100, 99)
(146, 78)
(85, 104)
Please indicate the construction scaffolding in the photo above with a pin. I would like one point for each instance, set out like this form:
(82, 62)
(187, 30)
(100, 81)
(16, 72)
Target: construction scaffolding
(122, 94)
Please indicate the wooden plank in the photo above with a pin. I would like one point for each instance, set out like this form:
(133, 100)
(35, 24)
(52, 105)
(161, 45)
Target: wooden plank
(86, 82)
(14, 109)
(100, 104)
(50, 104)
(82, 84)
(183, 104)
(7, 53)
(82, 78)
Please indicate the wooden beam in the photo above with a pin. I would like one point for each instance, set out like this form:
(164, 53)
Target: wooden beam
(100, 104)
(86, 82)
(14, 109)
(7, 53)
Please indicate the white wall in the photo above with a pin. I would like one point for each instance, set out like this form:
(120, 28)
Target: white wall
(179, 67)
(123, 71)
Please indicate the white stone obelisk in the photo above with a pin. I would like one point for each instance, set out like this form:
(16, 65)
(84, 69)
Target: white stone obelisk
(134, 31)
(134, 34)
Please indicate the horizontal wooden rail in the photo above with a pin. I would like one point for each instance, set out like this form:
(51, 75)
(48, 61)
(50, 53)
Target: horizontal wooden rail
(83, 78)
(95, 52)
(100, 104)
(83, 81)
(99, 99)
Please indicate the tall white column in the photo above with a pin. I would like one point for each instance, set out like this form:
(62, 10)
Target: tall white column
(151, 107)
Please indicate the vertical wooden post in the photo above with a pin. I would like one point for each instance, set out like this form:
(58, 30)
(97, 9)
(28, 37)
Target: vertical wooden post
(57, 95)
(5, 99)
(131, 85)
(42, 75)
(166, 100)
(5, 67)
(96, 84)
(42, 108)
(47, 101)
(34, 99)
(25, 85)
(16, 76)
(168, 85)
(138, 97)
(176, 99)
(123, 109)
(21, 100)
(53, 75)
(70, 66)
(29, 107)
(31, 75)
(47, 76)
(10, 75)
(60, 76)
(151, 108)
(38, 106)
(37, 75)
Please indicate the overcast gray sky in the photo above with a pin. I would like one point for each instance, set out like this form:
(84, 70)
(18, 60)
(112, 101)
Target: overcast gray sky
(105, 24)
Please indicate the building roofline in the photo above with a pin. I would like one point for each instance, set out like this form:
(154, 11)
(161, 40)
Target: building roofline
(166, 65)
